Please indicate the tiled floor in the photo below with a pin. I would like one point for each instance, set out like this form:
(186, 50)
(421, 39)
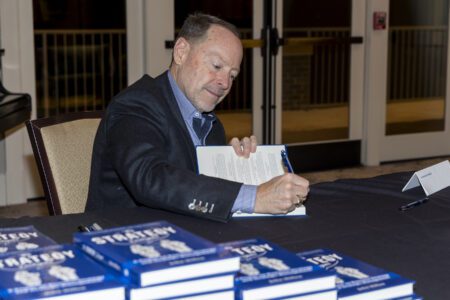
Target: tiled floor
(32, 209)
(39, 208)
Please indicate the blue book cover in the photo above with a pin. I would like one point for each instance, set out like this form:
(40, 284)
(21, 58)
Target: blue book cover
(157, 252)
(355, 277)
(22, 238)
(56, 271)
(269, 271)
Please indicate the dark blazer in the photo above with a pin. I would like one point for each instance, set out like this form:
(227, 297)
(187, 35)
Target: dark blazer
(143, 155)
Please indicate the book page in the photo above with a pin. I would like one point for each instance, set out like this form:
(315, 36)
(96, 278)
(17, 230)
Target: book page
(263, 165)
(299, 211)
(222, 162)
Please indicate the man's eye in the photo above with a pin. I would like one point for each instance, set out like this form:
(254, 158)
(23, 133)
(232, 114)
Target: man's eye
(217, 67)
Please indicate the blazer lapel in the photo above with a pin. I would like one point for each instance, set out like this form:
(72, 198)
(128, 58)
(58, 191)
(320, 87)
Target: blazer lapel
(175, 110)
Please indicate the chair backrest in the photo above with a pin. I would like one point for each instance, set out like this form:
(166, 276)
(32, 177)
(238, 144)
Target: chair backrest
(62, 147)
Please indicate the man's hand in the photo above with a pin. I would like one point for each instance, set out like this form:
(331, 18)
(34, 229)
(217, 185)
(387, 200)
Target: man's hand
(281, 194)
(245, 146)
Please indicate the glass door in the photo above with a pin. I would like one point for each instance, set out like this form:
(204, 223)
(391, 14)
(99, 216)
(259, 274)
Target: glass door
(416, 113)
(321, 79)
(316, 70)
(300, 81)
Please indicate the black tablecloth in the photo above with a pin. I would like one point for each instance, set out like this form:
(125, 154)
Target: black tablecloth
(357, 217)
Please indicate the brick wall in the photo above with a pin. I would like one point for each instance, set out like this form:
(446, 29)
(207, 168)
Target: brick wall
(296, 81)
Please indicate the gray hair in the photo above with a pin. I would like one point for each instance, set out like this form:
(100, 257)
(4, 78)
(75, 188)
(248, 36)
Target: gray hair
(196, 25)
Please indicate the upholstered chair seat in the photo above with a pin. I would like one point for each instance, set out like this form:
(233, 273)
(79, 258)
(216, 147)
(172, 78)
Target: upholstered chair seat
(62, 147)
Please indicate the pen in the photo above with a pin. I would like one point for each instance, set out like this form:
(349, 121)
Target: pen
(286, 161)
(83, 228)
(93, 227)
(413, 204)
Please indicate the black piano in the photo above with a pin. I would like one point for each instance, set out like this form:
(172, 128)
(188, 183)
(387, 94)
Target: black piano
(15, 108)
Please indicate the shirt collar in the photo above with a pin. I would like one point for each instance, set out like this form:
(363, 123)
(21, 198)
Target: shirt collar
(188, 111)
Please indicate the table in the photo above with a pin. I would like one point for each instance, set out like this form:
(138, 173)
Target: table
(357, 217)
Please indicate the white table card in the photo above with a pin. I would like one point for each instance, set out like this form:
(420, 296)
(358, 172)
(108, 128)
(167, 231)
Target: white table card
(432, 179)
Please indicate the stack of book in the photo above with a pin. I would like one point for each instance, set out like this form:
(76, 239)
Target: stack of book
(270, 272)
(159, 260)
(55, 272)
(22, 238)
(357, 280)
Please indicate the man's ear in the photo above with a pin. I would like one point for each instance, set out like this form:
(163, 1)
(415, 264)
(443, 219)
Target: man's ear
(180, 50)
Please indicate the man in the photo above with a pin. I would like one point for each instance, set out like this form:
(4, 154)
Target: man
(144, 151)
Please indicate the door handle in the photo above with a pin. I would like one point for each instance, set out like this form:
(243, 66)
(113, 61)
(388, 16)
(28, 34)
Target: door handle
(287, 42)
(303, 41)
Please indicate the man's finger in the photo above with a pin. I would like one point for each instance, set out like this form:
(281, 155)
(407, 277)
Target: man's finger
(254, 143)
(298, 180)
(236, 144)
(246, 146)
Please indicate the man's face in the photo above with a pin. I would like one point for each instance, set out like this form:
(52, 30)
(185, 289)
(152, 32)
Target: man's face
(204, 70)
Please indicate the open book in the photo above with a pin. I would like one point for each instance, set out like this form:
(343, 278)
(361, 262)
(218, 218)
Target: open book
(263, 165)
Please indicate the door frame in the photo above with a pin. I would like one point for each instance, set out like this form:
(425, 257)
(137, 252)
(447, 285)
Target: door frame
(19, 179)
(357, 51)
(316, 155)
(149, 24)
(380, 147)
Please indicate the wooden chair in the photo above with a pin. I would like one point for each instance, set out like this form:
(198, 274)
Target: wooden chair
(62, 147)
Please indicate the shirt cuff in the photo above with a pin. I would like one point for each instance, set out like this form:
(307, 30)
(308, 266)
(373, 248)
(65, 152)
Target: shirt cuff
(245, 200)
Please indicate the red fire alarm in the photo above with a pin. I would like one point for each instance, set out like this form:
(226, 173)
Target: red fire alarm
(379, 20)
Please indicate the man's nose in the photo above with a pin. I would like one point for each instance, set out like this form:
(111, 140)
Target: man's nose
(224, 80)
